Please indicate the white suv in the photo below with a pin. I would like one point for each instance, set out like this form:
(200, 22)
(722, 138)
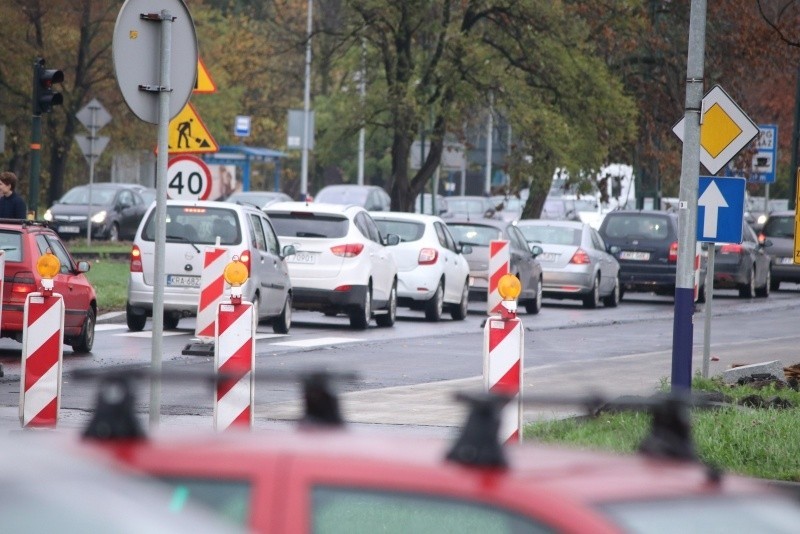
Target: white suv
(192, 226)
(341, 263)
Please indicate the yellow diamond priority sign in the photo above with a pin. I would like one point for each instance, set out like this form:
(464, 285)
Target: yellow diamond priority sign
(724, 130)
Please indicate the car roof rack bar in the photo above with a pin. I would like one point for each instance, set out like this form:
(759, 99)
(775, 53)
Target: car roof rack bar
(479, 445)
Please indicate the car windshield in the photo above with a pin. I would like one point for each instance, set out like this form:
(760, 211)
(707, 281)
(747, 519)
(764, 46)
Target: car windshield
(11, 244)
(229, 498)
(551, 235)
(779, 227)
(708, 514)
(461, 205)
(197, 225)
(474, 234)
(643, 226)
(343, 195)
(407, 230)
(80, 195)
(305, 224)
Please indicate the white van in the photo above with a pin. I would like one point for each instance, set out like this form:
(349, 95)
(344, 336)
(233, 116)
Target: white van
(192, 226)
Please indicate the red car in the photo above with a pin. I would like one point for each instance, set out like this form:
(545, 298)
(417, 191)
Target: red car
(23, 242)
(326, 478)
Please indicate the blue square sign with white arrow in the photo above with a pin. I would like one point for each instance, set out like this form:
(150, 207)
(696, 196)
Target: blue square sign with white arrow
(720, 209)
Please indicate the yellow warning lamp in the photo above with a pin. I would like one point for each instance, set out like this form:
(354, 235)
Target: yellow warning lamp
(235, 274)
(48, 266)
(509, 287)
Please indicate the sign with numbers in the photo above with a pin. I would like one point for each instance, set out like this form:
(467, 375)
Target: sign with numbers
(766, 155)
(188, 178)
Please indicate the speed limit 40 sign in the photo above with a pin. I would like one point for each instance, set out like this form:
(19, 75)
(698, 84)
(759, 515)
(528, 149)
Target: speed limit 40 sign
(188, 178)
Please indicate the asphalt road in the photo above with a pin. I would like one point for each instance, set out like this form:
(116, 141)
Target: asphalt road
(407, 374)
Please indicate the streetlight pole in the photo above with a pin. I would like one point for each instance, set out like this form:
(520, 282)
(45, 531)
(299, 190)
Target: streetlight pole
(362, 132)
(306, 106)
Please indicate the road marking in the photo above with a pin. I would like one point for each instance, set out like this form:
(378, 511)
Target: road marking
(318, 342)
(105, 327)
(148, 334)
(269, 336)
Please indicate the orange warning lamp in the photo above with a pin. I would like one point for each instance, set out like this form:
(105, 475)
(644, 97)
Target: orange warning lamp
(235, 274)
(48, 266)
(509, 287)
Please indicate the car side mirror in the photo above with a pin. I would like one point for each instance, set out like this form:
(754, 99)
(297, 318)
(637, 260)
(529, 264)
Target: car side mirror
(84, 266)
(466, 249)
(536, 250)
(392, 240)
(288, 250)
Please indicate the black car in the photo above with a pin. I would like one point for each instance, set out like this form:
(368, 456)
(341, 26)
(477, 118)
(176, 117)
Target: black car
(645, 244)
(779, 231)
(116, 210)
(743, 266)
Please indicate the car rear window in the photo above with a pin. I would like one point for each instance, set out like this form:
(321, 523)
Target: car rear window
(642, 226)
(407, 230)
(11, 243)
(305, 224)
(343, 195)
(474, 234)
(198, 225)
(551, 235)
(779, 227)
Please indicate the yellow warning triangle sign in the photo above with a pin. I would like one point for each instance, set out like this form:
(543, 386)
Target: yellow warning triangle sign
(188, 134)
(203, 83)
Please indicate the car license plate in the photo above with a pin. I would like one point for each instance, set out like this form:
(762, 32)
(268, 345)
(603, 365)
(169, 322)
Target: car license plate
(302, 257)
(787, 261)
(68, 229)
(633, 255)
(174, 280)
(547, 256)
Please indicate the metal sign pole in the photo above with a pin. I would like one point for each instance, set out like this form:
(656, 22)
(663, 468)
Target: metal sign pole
(712, 248)
(92, 136)
(161, 215)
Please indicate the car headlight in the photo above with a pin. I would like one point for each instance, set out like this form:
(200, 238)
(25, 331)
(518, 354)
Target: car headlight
(99, 217)
(48, 215)
(762, 219)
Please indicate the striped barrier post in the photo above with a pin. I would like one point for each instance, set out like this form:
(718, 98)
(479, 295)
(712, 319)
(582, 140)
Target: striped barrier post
(499, 260)
(503, 338)
(234, 357)
(42, 351)
(212, 291)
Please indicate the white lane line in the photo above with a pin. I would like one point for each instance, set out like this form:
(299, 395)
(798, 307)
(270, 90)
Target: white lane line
(318, 342)
(105, 327)
(149, 334)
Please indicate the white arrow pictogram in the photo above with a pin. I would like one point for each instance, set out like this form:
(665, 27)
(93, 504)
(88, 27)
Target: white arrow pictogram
(712, 200)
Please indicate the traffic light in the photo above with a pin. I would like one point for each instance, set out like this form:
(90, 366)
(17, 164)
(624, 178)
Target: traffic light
(44, 97)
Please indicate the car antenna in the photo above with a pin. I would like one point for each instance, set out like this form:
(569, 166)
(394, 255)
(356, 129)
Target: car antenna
(479, 445)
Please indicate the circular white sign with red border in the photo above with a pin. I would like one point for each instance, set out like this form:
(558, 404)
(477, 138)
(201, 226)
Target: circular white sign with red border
(188, 178)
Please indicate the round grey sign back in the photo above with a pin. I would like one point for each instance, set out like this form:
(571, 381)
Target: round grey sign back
(137, 56)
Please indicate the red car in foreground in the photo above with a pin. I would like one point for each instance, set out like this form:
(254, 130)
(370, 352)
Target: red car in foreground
(23, 242)
(323, 477)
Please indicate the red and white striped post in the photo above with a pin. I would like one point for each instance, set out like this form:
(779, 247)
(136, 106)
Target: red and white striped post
(499, 260)
(42, 351)
(234, 355)
(503, 338)
(212, 292)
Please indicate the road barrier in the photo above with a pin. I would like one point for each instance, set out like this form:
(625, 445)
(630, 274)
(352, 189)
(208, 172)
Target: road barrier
(212, 291)
(503, 344)
(499, 260)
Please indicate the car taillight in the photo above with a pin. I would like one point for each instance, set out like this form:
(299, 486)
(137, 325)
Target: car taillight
(580, 257)
(136, 259)
(22, 284)
(731, 248)
(428, 256)
(673, 252)
(351, 250)
(245, 258)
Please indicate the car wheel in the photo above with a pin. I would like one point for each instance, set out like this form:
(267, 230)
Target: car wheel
(774, 284)
(387, 319)
(171, 321)
(256, 306)
(612, 300)
(593, 298)
(85, 340)
(282, 323)
(135, 322)
(763, 291)
(748, 289)
(534, 306)
(113, 233)
(360, 317)
(702, 294)
(459, 312)
(434, 306)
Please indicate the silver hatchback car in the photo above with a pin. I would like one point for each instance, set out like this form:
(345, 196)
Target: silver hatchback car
(192, 226)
